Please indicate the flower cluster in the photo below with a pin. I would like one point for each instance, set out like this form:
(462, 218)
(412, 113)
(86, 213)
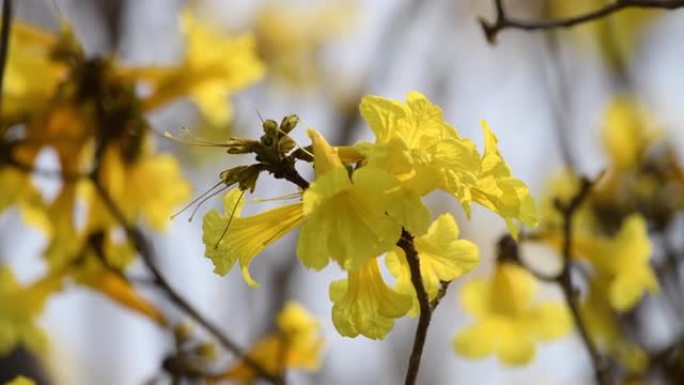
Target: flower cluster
(90, 113)
(365, 199)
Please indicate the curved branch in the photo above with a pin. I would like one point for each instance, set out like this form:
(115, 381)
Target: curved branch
(503, 21)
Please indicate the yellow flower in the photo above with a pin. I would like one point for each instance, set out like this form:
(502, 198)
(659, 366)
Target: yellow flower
(32, 76)
(18, 190)
(19, 308)
(416, 145)
(617, 35)
(498, 191)
(296, 345)
(605, 329)
(509, 322)
(364, 304)
(626, 133)
(622, 260)
(289, 38)
(230, 238)
(353, 220)
(21, 380)
(443, 258)
(149, 187)
(215, 67)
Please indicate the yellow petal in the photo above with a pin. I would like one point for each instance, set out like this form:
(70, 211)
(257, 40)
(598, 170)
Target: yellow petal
(228, 240)
(325, 157)
(365, 305)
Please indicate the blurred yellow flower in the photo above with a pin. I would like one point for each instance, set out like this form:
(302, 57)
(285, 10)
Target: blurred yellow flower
(21, 380)
(149, 187)
(296, 345)
(31, 76)
(215, 67)
(617, 35)
(289, 38)
(443, 258)
(230, 238)
(365, 305)
(19, 308)
(353, 219)
(508, 321)
(622, 260)
(626, 133)
(605, 329)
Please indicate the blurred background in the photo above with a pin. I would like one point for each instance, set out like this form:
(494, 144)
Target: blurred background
(542, 93)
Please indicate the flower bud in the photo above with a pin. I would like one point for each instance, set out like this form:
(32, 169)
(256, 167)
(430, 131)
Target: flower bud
(289, 123)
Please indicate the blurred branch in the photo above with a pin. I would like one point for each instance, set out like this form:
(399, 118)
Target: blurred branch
(406, 244)
(504, 21)
(564, 280)
(559, 99)
(146, 252)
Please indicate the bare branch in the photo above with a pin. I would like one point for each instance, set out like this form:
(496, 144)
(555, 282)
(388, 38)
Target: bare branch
(503, 21)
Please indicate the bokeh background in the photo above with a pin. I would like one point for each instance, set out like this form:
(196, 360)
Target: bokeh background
(540, 92)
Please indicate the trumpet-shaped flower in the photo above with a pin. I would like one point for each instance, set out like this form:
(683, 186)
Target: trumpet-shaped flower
(149, 187)
(353, 219)
(19, 308)
(626, 133)
(416, 145)
(365, 305)
(499, 191)
(296, 345)
(230, 238)
(604, 326)
(215, 67)
(509, 322)
(31, 76)
(443, 257)
(623, 260)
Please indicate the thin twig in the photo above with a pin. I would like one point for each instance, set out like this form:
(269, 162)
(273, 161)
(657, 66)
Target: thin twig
(503, 21)
(406, 244)
(146, 252)
(565, 282)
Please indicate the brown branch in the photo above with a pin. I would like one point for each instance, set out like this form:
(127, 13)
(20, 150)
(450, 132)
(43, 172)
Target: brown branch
(406, 244)
(564, 280)
(146, 252)
(503, 21)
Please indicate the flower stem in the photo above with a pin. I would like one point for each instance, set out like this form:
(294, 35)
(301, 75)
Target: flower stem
(406, 243)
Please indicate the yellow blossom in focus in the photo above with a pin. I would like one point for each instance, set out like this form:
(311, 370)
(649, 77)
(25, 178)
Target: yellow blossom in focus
(230, 238)
(509, 322)
(365, 305)
(353, 219)
(215, 67)
(19, 308)
(416, 145)
(499, 191)
(296, 345)
(443, 257)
